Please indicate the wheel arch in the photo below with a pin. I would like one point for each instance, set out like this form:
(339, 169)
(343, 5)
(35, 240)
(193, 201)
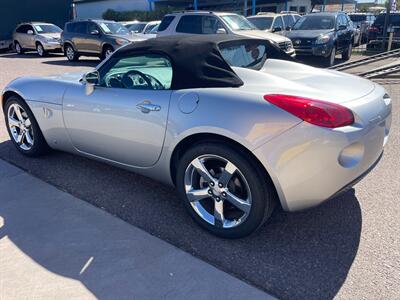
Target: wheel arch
(198, 138)
(8, 94)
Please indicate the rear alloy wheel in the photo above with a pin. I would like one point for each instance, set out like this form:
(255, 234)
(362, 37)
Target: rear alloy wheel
(23, 128)
(70, 53)
(223, 191)
(18, 48)
(347, 54)
(40, 50)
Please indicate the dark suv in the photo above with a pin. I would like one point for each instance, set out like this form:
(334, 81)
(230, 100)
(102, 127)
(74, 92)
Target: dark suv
(323, 35)
(375, 31)
(94, 38)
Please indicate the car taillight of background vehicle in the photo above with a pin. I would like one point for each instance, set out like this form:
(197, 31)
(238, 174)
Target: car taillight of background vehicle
(316, 112)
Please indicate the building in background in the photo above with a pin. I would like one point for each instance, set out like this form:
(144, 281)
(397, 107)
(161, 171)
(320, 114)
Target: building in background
(14, 12)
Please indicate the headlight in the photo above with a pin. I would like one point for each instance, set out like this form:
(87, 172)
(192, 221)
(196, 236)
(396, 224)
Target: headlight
(121, 42)
(323, 39)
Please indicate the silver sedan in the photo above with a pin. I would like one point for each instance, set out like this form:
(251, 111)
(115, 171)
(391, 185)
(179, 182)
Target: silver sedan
(235, 129)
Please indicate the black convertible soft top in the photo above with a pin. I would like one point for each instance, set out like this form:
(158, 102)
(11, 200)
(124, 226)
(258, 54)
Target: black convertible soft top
(196, 59)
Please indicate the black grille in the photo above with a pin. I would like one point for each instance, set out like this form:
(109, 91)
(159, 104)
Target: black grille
(286, 46)
(302, 43)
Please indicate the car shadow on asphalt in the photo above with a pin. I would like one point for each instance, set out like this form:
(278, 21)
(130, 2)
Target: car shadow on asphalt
(80, 63)
(304, 255)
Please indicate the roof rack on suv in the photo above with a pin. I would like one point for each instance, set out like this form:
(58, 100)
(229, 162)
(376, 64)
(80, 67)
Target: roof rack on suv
(261, 13)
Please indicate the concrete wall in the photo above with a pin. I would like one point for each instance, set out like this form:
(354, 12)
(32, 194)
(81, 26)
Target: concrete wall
(96, 9)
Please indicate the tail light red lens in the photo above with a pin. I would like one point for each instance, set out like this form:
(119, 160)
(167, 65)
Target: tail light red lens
(316, 112)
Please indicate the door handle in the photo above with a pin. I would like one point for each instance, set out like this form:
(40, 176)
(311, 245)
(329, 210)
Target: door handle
(146, 107)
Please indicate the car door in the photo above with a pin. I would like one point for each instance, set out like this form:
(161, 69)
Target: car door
(341, 33)
(30, 38)
(79, 35)
(92, 42)
(124, 119)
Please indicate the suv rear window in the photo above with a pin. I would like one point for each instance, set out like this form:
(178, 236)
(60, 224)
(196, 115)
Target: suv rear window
(166, 21)
(189, 24)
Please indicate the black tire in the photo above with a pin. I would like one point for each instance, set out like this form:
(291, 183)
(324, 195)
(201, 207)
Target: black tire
(40, 145)
(262, 190)
(18, 48)
(347, 53)
(330, 60)
(70, 53)
(104, 53)
(40, 50)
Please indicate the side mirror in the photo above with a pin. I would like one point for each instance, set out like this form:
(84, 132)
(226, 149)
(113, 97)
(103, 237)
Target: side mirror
(91, 79)
(95, 32)
(30, 32)
(221, 31)
(276, 29)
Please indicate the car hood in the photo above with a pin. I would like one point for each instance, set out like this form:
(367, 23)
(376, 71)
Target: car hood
(51, 35)
(306, 33)
(259, 34)
(130, 37)
(284, 77)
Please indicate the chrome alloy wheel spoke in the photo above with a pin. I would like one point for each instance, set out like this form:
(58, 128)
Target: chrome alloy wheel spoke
(20, 127)
(241, 204)
(13, 122)
(217, 191)
(202, 170)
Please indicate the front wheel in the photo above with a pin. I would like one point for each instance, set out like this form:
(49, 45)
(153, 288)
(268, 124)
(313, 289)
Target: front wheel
(330, 60)
(107, 51)
(23, 129)
(347, 54)
(18, 48)
(40, 50)
(225, 192)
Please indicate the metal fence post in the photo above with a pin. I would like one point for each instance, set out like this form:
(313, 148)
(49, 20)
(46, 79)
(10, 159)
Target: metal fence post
(253, 7)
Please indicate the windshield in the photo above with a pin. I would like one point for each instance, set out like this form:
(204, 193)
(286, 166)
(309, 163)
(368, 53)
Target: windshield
(150, 28)
(47, 28)
(315, 23)
(155, 29)
(262, 23)
(113, 28)
(136, 28)
(236, 22)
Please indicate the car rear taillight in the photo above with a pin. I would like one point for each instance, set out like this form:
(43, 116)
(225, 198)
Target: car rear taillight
(316, 112)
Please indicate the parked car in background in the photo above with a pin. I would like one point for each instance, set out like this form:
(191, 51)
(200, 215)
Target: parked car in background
(375, 31)
(362, 21)
(356, 34)
(205, 22)
(94, 38)
(238, 132)
(272, 22)
(135, 26)
(323, 35)
(42, 37)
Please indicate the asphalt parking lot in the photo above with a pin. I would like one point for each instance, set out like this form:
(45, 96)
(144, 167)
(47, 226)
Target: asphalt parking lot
(348, 248)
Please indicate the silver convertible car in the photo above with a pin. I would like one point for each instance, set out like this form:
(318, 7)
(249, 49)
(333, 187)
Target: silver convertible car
(236, 128)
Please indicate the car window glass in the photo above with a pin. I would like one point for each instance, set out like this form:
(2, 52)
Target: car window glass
(166, 21)
(80, 27)
(21, 29)
(29, 27)
(288, 20)
(311, 22)
(47, 28)
(248, 55)
(278, 23)
(143, 72)
(92, 27)
(262, 23)
(136, 28)
(210, 25)
(190, 24)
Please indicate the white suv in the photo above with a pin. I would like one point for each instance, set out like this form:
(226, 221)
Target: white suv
(202, 22)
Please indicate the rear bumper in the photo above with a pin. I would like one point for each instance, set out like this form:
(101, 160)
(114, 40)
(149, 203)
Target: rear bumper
(310, 164)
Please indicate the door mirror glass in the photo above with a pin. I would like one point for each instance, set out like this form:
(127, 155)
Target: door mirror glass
(92, 77)
(221, 31)
(30, 32)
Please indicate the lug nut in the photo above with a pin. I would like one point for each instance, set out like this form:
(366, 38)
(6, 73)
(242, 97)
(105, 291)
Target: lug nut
(220, 185)
(218, 199)
(223, 194)
(212, 183)
(210, 192)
